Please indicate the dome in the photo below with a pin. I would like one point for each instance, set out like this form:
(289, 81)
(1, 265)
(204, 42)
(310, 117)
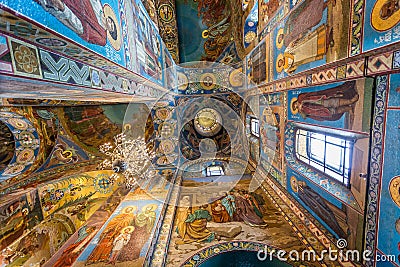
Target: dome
(207, 122)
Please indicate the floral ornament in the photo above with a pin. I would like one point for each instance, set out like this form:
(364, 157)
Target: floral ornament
(103, 184)
(26, 59)
(28, 139)
(56, 195)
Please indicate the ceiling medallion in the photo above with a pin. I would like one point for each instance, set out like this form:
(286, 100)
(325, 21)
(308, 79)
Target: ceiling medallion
(208, 81)
(207, 122)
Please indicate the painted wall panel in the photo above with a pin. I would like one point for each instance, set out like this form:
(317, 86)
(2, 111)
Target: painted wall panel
(133, 222)
(119, 31)
(389, 215)
(337, 105)
(309, 37)
(381, 24)
(88, 28)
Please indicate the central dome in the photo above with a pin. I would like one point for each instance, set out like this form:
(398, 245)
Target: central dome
(207, 122)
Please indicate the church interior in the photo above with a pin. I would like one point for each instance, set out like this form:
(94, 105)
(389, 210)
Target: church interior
(199, 133)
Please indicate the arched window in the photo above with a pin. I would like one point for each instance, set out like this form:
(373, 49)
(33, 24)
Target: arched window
(214, 170)
(328, 153)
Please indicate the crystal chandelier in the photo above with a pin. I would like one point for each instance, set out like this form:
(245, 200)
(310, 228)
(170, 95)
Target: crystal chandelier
(130, 157)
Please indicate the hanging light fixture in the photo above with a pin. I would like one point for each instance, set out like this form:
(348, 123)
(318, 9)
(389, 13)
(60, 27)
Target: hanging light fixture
(129, 157)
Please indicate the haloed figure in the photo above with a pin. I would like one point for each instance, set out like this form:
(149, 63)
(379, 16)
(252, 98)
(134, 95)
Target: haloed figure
(119, 242)
(329, 105)
(317, 204)
(88, 18)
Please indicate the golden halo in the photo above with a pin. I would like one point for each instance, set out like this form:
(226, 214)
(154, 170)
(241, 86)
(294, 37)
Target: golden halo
(380, 24)
(25, 155)
(394, 190)
(279, 69)
(293, 184)
(279, 44)
(291, 106)
(131, 229)
(109, 12)
(152, 207)
(134, 208)
(161, 104)
(236, 78)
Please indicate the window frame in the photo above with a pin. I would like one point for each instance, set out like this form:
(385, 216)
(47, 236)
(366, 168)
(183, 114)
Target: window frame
(309, 159)
(256, 122)
(209, 173)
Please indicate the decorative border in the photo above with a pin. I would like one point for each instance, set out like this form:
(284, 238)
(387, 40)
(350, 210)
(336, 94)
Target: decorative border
(377, 143)
(385, 61)
(53, 67)
(124, 31)
(48, 175)
(21, 102)
(58, 44)
(221, 78)
(168, 26)
(171, 195)
(206, 253)
(170, 123)
(356, 28)
(161, 246)
(380, 63)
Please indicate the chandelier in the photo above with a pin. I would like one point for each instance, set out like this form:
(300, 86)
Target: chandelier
(128, 157)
